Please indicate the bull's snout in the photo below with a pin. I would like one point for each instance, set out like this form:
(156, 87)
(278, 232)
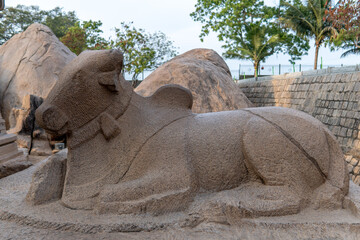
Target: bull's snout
(51, 119)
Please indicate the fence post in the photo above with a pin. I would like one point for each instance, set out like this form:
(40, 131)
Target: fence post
(300, 67)
(239, 70)
(321, 64)
(279, 69)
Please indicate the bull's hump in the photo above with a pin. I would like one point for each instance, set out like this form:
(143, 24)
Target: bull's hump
(173, 96)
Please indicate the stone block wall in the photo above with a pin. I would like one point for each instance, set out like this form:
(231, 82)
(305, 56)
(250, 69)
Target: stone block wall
(331, 95)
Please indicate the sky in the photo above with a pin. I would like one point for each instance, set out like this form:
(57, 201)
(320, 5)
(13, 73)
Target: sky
(171, 17)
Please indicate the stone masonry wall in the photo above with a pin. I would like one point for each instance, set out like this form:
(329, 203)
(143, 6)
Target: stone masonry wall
(331, 95)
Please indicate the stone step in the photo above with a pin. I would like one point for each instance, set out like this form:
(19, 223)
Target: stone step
(2, 126)
(6, 139)
(10, 156)
(8, 152)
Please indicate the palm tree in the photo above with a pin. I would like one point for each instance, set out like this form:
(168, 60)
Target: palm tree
(308, 21)
(257, 43)
(352, 43)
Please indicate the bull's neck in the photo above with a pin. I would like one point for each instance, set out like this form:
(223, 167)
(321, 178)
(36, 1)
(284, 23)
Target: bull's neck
(139, 113)
(93, 127)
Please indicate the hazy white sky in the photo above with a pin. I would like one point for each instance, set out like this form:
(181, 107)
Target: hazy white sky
(172, 18)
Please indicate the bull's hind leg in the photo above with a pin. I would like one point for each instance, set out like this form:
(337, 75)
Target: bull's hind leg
(286, 176)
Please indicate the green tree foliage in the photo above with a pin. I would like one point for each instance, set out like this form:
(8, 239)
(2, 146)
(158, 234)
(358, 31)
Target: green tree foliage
(75, 39)
(308, 21)
(59, 21)
(17, 19)
(256, 44)
(142, 50)
(85, 36)
(345, 17)
(248, 28)
(94, 41)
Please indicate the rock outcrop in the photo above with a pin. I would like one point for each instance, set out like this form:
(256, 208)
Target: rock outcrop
(205, 74)
(30, 63)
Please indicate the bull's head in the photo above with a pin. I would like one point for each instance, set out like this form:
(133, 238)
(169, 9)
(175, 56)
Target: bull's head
(87, 86)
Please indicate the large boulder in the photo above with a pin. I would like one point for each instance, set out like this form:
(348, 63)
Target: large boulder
(30, 63)
(205, 74)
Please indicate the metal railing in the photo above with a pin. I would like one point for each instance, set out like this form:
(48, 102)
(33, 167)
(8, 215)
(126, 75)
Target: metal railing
(247, 71)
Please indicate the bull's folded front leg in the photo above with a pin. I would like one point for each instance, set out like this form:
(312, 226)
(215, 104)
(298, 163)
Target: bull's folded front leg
(160, 178)
(150, 194)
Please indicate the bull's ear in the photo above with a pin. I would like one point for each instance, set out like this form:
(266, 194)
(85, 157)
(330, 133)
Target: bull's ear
(110, 80)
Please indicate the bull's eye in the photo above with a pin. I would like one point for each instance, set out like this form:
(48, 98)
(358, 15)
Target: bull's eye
(108, 67)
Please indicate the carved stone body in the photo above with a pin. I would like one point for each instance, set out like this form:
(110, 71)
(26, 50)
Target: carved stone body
(133, 154)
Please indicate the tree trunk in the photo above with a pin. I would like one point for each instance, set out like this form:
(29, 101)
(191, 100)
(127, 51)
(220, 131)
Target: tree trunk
(317, 45)
(256, 66)
(134, 83)
(134, 80)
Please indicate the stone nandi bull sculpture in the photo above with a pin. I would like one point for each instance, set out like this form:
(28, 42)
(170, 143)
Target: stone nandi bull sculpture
(130, 154)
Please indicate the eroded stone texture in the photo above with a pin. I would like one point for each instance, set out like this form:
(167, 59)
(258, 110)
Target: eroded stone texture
(205, 74)
(134, 154)
(29, 64)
